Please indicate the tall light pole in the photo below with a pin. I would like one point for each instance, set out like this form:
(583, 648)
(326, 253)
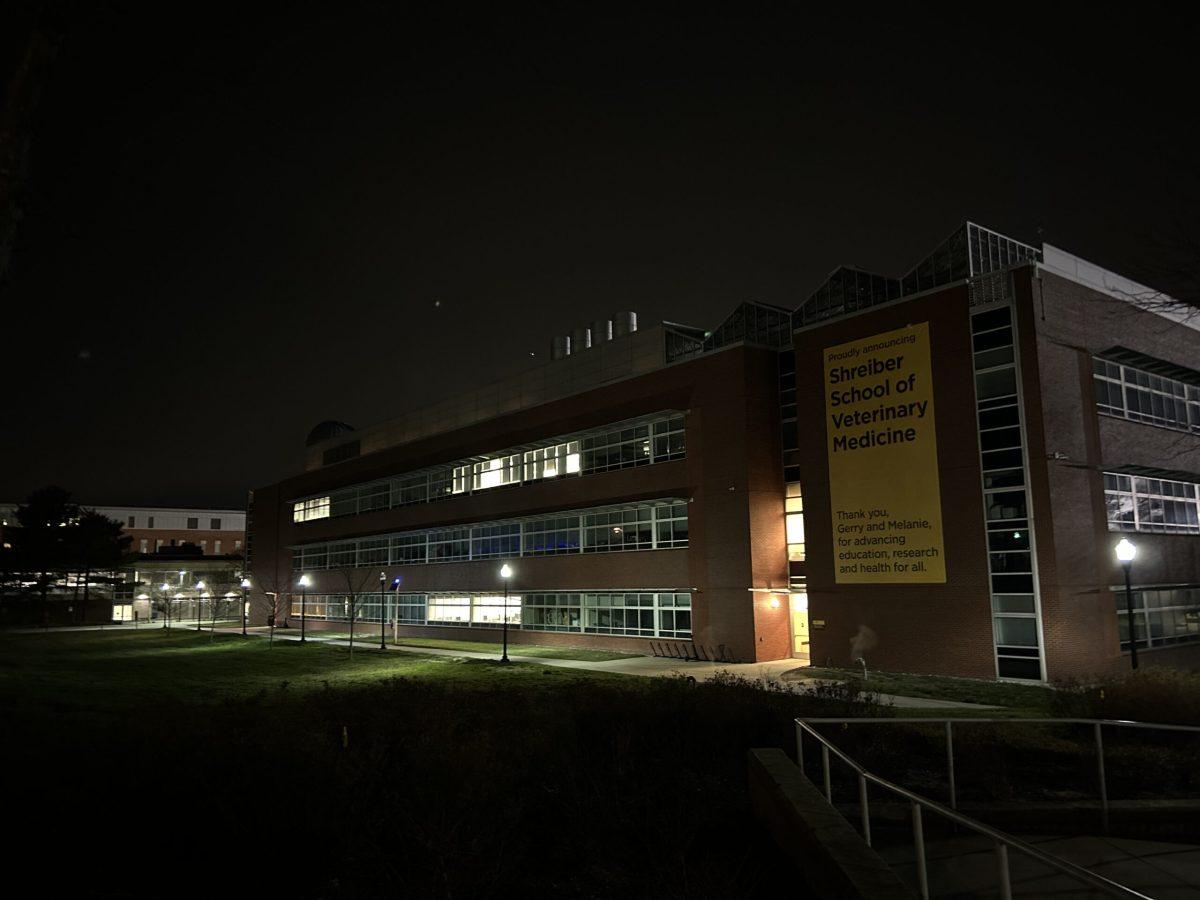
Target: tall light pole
(505, 574)
(164, 587)
(199, 594)
(245, 603)
(304, 583)
(382, 611)
(1126, 551)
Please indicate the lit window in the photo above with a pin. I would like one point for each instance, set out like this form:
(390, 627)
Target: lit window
(496, 472)
(794, 521)
(550, 462)
(307, 510)
(489, 610)
(449, 610)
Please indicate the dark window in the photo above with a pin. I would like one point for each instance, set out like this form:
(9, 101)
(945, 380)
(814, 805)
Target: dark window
(132, 519)
(341, 452)
(193, 523)
(1019, 668)
(150, 522)
(215, 524)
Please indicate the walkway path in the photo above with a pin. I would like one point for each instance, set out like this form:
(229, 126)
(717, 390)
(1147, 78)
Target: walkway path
(647, 666)
(966, 867)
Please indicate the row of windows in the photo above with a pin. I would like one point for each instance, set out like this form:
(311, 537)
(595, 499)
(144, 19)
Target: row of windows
(1145, 397)
(659, 525)
(192, 522)
(144, 545)
(1006, 503)
(1151, 504)
(1162, 616)
(615, 447)
(634, 614)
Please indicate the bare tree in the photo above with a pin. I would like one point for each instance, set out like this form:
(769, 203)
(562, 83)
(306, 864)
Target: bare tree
(276, 593)
(356, 581)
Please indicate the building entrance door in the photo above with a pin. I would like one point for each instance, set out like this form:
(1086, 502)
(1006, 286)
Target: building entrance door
(798, 601)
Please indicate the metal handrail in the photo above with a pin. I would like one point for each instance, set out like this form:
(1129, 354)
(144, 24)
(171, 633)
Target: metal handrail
(950, 721)
(918, 803)
(1009, 720)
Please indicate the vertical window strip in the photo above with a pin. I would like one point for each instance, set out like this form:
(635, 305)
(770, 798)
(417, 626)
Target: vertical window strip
(1012, 575)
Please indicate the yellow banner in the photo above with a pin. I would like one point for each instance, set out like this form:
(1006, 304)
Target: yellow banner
(883, 469)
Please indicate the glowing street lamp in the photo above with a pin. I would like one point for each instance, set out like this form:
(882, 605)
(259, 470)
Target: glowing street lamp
(1126, 551)
(164, 587)
(505, 574)
(199, 594)
(382, 611)
(305, 581)
(245, 604)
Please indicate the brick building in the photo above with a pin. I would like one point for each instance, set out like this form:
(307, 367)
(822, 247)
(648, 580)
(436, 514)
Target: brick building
(674, 489)
(180, 546)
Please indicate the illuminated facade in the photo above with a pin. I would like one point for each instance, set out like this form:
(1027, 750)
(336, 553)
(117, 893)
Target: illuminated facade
(669, 489)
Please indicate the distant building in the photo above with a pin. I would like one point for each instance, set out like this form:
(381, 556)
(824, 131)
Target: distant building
(167, 545)
(925, 473)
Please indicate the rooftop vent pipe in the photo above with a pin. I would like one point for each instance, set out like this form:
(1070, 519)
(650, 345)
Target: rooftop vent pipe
(624, 323)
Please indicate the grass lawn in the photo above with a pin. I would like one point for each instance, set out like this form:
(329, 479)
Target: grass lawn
(100, 671)
(515, 649)
(370, 638)
(295, 770)
(1017, 699)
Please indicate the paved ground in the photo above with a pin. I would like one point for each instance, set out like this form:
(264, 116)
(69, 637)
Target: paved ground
(647, 666)
(651, 666)
(966, 867)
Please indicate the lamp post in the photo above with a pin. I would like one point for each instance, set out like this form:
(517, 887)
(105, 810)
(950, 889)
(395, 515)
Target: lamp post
(1126, 551)
(164, 587)
(505, 574)
(245, 603)
(304, 583)
(199, 594)
(382, 611)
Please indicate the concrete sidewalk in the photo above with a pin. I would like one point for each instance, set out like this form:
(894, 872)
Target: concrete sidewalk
(966, 866)
(647, 667)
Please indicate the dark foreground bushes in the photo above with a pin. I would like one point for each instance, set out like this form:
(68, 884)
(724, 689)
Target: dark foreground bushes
(408, 788)
(1159, 695)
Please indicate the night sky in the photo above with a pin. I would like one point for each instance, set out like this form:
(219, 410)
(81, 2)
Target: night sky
(238, 226)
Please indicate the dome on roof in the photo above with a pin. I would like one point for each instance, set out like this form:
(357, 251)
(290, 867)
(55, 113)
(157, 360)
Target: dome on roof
(326, 430)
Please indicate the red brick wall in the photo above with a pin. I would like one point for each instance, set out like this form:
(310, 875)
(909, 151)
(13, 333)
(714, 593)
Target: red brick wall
(1063, 324)
(936, 628)
(731, 474)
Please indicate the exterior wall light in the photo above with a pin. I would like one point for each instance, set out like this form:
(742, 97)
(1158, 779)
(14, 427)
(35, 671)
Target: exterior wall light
(1126, 551)
(505, 574)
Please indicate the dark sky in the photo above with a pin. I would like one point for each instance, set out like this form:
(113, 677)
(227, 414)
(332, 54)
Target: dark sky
(241, 225)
